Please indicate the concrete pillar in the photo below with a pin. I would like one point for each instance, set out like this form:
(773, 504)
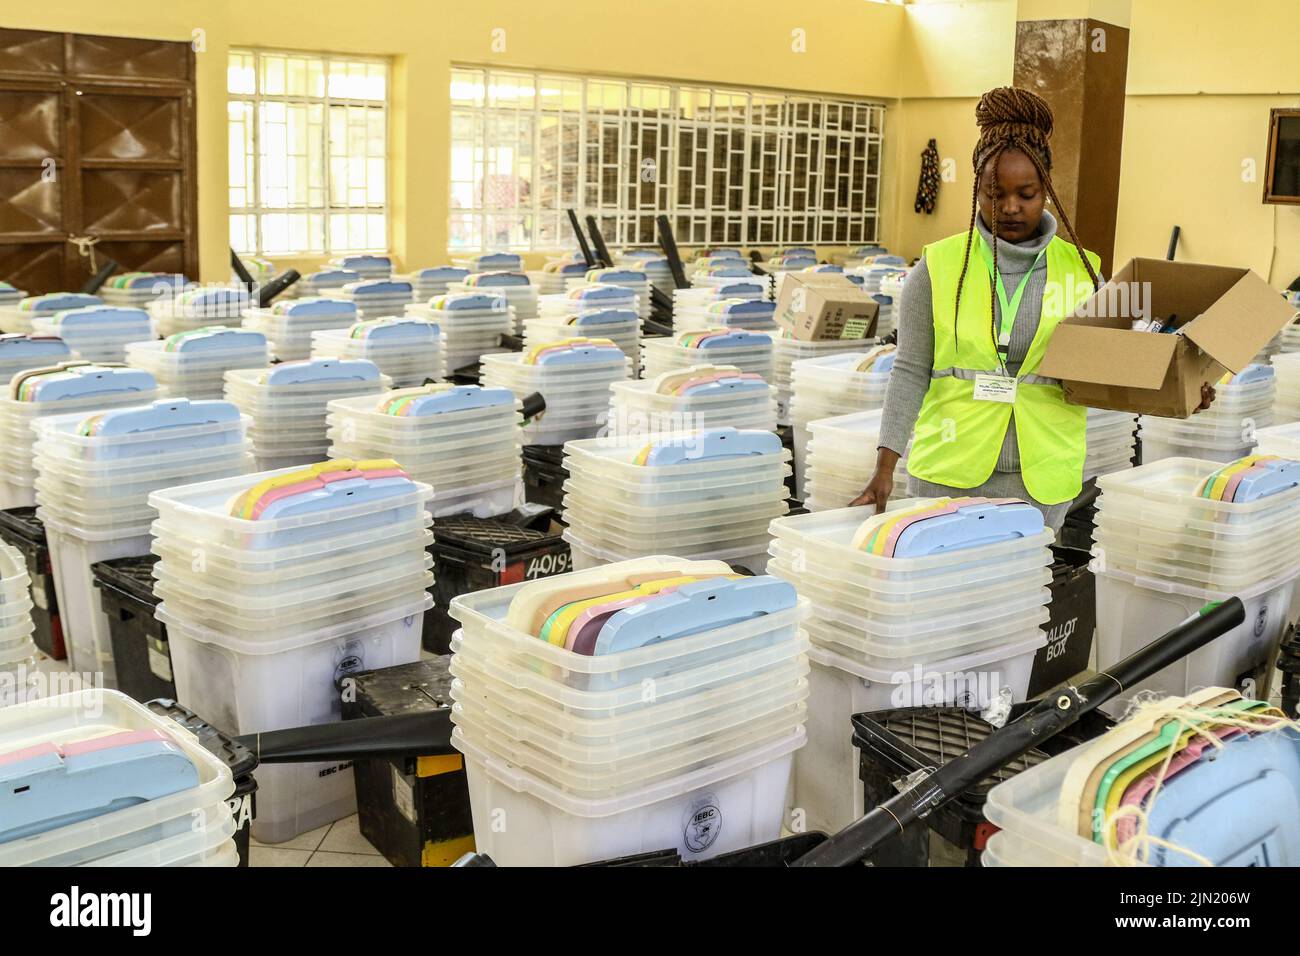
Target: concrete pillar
(1079, 64)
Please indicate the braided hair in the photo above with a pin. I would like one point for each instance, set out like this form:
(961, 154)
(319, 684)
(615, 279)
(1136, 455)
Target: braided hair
(1012, 119)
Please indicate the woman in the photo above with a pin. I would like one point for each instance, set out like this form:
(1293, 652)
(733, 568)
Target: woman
(969, 347)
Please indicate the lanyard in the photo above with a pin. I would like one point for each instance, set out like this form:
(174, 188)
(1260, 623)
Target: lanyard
(1010, 308)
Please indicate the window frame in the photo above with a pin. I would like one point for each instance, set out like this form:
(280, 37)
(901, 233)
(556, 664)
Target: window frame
(255, 209)
(777, 127)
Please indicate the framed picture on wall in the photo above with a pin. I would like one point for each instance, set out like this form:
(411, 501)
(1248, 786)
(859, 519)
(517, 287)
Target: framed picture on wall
(1282, 174)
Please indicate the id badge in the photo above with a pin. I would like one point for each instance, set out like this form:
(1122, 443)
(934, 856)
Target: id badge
(995, 388)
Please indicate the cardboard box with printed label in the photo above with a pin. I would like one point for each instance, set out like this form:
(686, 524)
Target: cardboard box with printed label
(1226, 315)
(816, 306)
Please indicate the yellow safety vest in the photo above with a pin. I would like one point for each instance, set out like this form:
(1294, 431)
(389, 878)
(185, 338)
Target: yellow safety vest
(958, 439)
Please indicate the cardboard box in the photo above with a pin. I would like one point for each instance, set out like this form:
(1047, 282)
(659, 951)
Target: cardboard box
(815, 306)
(1103, 363)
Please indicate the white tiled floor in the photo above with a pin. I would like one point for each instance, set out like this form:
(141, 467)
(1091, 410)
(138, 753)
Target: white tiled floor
(338, 844)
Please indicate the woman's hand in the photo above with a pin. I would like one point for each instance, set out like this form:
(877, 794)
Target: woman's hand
(878, 490)
(1207, 398)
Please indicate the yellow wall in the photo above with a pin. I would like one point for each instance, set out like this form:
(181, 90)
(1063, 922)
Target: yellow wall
(851, 47)
(1197, 105)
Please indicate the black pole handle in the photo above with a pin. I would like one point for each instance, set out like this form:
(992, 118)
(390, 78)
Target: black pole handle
(668, 243)
(266, 293)
(1060, 709)
(403, 735)
(1173, 243)
(240, 270)
(96, 282)
(582, 240)
(598, 241)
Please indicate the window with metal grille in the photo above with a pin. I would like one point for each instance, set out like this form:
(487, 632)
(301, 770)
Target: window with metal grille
(308, 153)
(728, 166)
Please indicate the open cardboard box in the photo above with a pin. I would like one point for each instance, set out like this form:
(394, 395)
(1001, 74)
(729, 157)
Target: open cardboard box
(1103, 363)
(816, 306)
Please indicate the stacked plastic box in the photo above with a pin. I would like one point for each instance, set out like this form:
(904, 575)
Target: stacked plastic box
(841, 459)
(1168, 787)
(463, 440)
(860, 255)
(1223, 432)
(426, 283)
(97, 333)
(739, 313)
(713, 272)
(795, 259)
(786, 350)
(710, 494)
(657, 271)
(10, 295)
(1283, 440)
(306, 576)
(471, 323)
(52, 390)
(94, 474)
(633, 279)
(515, 286)
(138, 289)
(20, 351)
(376, 298)
(931, 603)
(185, 818)
(691, 399)
(552, 277)
(408, 350)
(1112, 442)
(1286, 404)
(1289, 337)
(693, 307)
(832, 385)
(199, 308)
(17, 316)
(490, 262)
(573, 375)
(287, 404)
(621, 326)
(747, 351)
(194, 364)
(571, 743)
(17, 649)
(327, 283)
(364, 265)
(289, 324)
(1163, 549)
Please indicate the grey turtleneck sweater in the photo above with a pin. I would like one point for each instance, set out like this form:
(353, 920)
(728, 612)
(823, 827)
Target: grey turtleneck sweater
(910, 379)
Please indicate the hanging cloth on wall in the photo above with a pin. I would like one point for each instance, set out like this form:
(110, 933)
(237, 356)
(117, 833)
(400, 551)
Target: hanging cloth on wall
(927, 190)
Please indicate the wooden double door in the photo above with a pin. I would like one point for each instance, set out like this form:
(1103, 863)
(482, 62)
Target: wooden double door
(97, 143)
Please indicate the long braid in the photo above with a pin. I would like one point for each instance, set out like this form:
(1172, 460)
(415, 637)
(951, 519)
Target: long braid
(993, 229)
(1010, 118)
(965, 259)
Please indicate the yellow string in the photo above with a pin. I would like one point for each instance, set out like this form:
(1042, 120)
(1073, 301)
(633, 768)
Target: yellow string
(1136, 850)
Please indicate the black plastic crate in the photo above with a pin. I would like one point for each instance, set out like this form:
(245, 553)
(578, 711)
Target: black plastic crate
(21, 528)
(140, 649)
(474, 554)
(415, 810)
(241, 761)
(893, 744)
(545, 475)
(1073, 621)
